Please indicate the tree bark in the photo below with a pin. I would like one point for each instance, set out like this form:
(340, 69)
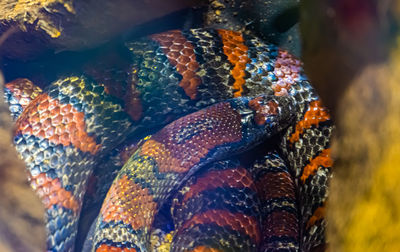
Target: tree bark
(74, 24)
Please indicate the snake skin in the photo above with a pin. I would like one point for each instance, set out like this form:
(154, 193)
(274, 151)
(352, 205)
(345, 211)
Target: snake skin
(222, 93)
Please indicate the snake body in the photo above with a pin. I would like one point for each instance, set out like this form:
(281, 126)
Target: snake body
(219, 93)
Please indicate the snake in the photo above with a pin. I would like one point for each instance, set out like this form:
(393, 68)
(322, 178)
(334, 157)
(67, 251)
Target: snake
(238, 158)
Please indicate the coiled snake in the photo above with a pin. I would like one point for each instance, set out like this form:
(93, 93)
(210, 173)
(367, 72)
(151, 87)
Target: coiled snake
(223, 93)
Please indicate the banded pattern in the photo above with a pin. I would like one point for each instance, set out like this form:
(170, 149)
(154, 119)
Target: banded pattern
(58, 135)
(307, 145)
(149, 177)
(162, 62)
(18, 94)
(210, 207)
(277, 191)
(222, 92)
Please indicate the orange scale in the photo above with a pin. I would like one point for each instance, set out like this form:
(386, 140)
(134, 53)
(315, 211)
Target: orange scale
(71, 204)
(240, 82)
(242, 63)
(328, 162)
(46, 122)
(85, 138)
(53, 105)
(229, 45)
(173, 55)
(318, 214)
(35, 117)
(166, 42)
(176, 47)
(59, 129)
(181, 69)
(187, 50)
(43, 115)
(188, 44)
(180, 40)
(184, 59)
(67, 117)
(187, 75)
(94, 147)
(45, 187)
(65, 109)
(35, 130)
(236, 74)
(54, 182)
(242, 47)
(227, 51)
(41, 134)
(79, 116)
(54, 138)
(81, 146)
(233, 58)
(75, 128)
(75, 135)
(321, 160)
(195, 81)
(64, 138)
(82, 142)
(53, 200)
(193, 60)
(239, 51)
(75, 122)
(43, 105)
(106, 248)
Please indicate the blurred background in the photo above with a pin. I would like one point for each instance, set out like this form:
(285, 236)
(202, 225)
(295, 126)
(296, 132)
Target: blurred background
(351, 53)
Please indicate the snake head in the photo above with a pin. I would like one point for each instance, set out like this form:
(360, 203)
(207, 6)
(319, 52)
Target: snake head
(263, 109)
(265, 116)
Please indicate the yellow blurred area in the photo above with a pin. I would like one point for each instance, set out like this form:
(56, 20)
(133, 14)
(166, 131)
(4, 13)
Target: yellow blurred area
(376, 215)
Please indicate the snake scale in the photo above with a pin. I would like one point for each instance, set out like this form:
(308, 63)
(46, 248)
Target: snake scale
(215, 96)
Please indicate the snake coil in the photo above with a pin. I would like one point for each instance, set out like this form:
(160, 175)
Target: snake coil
(215, 94)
